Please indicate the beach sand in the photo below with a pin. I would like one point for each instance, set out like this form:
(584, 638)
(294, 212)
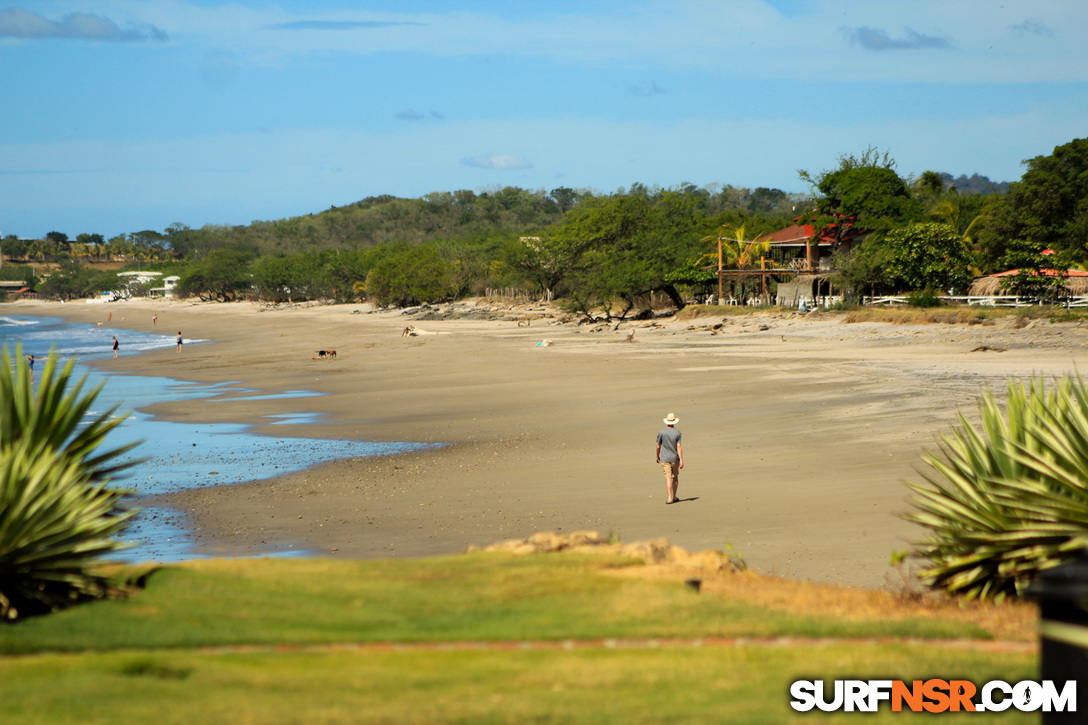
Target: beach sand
(798, 430)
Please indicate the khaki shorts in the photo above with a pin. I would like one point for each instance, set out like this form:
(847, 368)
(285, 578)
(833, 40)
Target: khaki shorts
(672, 472)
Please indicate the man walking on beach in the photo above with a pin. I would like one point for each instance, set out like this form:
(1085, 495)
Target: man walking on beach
(670, 454)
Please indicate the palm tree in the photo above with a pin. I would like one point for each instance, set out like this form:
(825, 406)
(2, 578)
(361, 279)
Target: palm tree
(735, 250)
(949, 211)
(57, 518)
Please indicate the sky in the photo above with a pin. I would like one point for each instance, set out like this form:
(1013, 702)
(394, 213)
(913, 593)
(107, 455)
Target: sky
(118, 116)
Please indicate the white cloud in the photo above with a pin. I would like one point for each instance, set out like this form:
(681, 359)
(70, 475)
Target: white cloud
(504, 162)
(878, 39)
(18, 23)
(1032, 27)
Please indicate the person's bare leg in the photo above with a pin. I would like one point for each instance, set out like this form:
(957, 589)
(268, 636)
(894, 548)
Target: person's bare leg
(671, 477)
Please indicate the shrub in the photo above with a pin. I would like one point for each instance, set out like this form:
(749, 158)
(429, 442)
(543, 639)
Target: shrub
(923, 298)
(56, 515)
(843, 305)
(1009, 498)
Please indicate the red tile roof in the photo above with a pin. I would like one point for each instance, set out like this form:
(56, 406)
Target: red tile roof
(1045, 273)
(798, 234)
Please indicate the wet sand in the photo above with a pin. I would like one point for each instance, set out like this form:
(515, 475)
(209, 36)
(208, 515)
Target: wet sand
(797, 437)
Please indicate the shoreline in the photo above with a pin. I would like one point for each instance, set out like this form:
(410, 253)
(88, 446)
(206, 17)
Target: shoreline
(797, 436)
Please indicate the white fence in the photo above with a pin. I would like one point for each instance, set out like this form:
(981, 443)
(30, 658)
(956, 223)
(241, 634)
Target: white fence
(982, 301)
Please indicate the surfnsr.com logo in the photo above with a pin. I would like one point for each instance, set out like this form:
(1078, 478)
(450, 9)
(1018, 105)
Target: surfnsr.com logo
(933, 695)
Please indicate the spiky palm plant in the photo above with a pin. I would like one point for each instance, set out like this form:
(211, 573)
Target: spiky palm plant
(56, 515)
(1007, 499)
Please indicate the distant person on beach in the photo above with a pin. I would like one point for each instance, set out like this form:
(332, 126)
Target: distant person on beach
(115, 345)
(30, 361)
(109, 317)
(179, 340)
(670, 454)
(154, 319)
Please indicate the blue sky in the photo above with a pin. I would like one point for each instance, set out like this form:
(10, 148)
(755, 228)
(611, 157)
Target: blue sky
(123, 115)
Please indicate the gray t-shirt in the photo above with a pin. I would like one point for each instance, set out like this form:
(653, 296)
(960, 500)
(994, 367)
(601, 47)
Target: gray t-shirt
(669, 439)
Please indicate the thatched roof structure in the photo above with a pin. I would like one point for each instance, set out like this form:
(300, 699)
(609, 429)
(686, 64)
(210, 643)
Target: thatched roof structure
(1076, 282)
(801, 286)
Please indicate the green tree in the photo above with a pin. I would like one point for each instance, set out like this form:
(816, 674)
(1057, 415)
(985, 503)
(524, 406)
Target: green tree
(1050, 202)
(864, 193)
(57, 242)
(222, 274)
(342, 271)
(565, 197)
(1034, 278)
(91, 245)
(929, 186)
(765, 201)
(410, 277)
(149, 245)
(545, 261)
(183, 241)
(927, 256)
(13, 247)
(71, 281)
(624, 246)
(861, 270)
(272, 277)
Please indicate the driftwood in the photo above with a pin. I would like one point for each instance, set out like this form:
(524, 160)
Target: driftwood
(413, 331)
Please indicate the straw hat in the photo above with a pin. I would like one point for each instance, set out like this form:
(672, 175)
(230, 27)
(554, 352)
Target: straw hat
(671, 419)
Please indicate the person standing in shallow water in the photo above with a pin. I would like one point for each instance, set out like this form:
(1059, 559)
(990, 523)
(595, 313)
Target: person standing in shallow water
(179, 340)
(670, 454)
(115, 345)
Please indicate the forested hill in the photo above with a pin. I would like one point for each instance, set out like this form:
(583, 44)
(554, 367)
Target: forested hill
(508, 212)
(497, 213)
(974, 184)
(383, 219)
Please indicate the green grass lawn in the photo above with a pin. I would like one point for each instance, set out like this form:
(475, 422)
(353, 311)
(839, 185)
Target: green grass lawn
(285, 631)
(665, 685)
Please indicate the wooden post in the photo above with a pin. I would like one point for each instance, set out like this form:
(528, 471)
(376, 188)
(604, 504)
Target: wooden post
(719, 270)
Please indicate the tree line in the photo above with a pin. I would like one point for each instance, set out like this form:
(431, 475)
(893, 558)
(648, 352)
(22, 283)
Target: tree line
(608, 251)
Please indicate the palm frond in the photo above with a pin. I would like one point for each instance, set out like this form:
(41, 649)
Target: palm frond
(57, 517)
(1008, 498)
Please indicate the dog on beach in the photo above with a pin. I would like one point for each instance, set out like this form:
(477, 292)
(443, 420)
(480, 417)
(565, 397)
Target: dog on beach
(325, 354)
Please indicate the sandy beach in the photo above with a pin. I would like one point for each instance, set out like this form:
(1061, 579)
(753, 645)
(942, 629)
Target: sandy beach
(799, 430)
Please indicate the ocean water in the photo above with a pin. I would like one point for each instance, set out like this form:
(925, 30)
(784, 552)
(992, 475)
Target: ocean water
(178, 455)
